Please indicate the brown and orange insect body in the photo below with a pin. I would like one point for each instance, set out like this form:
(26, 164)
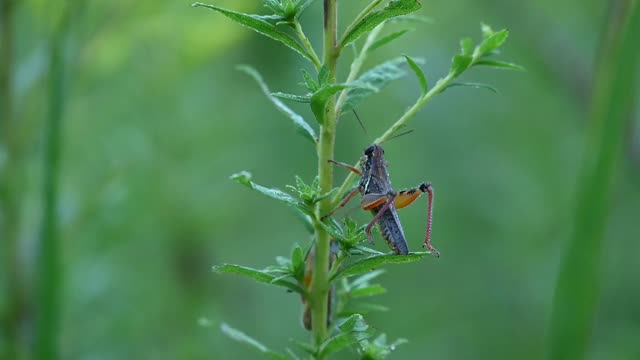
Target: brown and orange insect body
(379, 197)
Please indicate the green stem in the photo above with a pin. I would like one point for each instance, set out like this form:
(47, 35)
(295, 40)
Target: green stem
(401, 122)
(357, 65)
(320, 281)
(307, 44)
(614, 95)
(49, 278)
(13, 314)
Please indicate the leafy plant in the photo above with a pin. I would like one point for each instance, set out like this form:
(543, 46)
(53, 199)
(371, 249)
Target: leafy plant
(336, 270)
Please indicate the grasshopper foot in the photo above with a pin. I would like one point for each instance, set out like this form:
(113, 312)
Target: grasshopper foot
(433, 250)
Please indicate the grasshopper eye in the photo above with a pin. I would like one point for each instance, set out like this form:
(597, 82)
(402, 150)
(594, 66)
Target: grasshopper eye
(369, 151)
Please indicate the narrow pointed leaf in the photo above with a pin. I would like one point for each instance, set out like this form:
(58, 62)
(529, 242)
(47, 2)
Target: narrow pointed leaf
(298, 121)
(244, 178)
(241, 337)
(304, 99)
(368, 291)
(369, 22)
(258, 24)
(491, 43)
(500, 64)
(367, 264)
(389, 38)
(416, 69)
(473, 85)
(260, 276)
(364, 279)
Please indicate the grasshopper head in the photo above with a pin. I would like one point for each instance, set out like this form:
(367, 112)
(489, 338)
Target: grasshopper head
(375, 151)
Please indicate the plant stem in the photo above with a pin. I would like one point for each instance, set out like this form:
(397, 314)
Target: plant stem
(307, 44)
(614, 93)
(13, 314)
(49, 278)
(356, 65)
(401, 122)
(320, 281)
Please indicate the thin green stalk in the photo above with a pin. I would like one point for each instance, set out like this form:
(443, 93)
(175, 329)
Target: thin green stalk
(12, 315)
(320, 281)
(307, 44)
(49, 278)
(401, 122)
(357, 65)
(577, 290)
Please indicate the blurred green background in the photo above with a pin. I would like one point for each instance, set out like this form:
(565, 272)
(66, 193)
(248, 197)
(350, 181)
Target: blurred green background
(155, 119)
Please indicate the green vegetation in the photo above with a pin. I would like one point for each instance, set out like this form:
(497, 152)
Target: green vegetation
(122, 122)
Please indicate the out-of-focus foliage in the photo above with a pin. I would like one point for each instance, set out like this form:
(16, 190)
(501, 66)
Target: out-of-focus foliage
(156, 120)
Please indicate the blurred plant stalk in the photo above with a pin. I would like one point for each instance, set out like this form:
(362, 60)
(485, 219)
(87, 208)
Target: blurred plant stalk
(577, 290)
(13, 314)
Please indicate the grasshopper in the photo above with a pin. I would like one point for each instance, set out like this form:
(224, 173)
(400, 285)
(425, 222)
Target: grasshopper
(379, 198)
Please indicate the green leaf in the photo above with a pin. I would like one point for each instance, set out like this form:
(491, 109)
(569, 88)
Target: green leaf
(487, 31)
(389, 38)
(241, 337)
(378, 349)
(473, 85)
(412, 18)
(298, 121)
(372, 262)
(260, 276)
(368, 291)
(375, 80)
(364, 279)
(363, 308)
(459, 64)
(500, 64)
(309, 82)
(261, 26)
(320, 99)
(373, 19)
(416, 69)
(466, 46)
(304, 99)
(491, 43)
(352, 330)
(244, 178)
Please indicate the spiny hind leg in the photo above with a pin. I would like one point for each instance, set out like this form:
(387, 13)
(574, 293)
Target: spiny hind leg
(406, 197)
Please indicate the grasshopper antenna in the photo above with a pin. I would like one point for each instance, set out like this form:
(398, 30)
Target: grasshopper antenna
(398, 135)
(359, 121)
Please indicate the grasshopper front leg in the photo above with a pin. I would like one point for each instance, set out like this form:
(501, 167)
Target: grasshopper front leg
(406, 197)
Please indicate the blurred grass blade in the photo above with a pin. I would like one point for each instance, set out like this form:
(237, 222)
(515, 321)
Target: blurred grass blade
(260, 276)
(372, 262)
(241, 337)
(259, 25)
(369, 22)
(614, 93)
(419, 74)
(298, 121)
